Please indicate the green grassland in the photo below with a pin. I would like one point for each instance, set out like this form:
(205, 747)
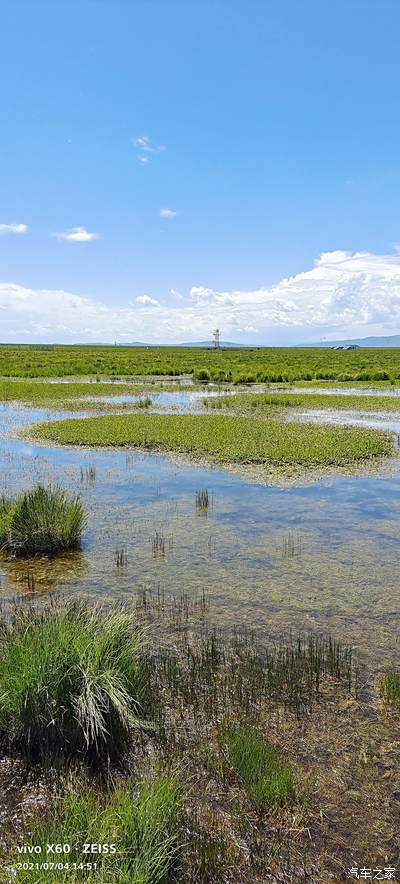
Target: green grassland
(223, 438)
(267, 403)
(40, 393)
(236, 365)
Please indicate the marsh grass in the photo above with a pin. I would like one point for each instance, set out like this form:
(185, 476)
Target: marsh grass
(88, 475)
(292, 545)
(268, 780)
(121, 557)
(188, 679)
(223, 438)
(203, 500)
(144, 823)
(73, 682)
(390, 689)
(219, 671)
(158, 545)
(146, 402)
(270, 403)
(41, 521)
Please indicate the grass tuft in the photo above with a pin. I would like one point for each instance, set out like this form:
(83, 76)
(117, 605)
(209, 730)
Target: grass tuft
(142, 827)
(268, 780)
(390, 689)
(43, 521)
(73, 682)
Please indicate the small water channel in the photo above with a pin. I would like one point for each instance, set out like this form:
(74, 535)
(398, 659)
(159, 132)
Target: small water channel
(308, 557)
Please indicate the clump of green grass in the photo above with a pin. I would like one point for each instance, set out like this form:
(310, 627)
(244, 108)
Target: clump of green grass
(268, 780)
(226, 439)
(41, 521)
(141, 826)
(73, 682)
(146, 402)
(390, 689)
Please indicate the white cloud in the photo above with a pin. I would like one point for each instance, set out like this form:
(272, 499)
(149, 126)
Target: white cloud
(145, 147)
(167, 213)
(144, 143)
(146, 299)
(13, 228)
(342, 295)
(76, 234)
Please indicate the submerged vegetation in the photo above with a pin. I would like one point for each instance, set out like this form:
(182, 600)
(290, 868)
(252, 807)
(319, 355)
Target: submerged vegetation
(43, 521)
(225, 439)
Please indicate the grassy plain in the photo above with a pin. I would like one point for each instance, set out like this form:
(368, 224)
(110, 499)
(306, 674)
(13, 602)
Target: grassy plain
(223, 438)
(236, 365)
(267, 403)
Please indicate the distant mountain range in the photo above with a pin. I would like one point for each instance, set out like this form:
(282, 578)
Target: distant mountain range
(384, 341)
(210, 344)
(142, 344)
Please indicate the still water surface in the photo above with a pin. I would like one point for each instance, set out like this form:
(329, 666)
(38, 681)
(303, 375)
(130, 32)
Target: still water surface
(314, 557)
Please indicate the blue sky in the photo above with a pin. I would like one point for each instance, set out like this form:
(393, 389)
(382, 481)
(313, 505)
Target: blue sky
(269, 131)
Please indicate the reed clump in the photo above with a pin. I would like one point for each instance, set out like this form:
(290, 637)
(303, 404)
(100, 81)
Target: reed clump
(42, 521)
(203, 500)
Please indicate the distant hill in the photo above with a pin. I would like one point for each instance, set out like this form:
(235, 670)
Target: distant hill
(384, 341)
(143, 344)
(210, 344)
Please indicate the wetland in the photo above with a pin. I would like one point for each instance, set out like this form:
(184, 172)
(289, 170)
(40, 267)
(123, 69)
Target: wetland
(231, 574)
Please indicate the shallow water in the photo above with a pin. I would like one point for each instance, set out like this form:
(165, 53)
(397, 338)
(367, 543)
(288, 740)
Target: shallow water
(340, 391)
(377, 420)
(321, 557)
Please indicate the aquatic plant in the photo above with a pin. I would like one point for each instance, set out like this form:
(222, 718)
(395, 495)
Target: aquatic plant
(121, 557)
(88, 474)
(41, 521)
(158, 545)
(270, 403)
(223, 438)
(390, 689)
(202, 500)
(269, 781)
(220, 670)
(146, 402)
(73, 682)
(141, 826)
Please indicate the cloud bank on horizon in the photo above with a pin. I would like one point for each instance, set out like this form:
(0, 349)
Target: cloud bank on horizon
(344, 294)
